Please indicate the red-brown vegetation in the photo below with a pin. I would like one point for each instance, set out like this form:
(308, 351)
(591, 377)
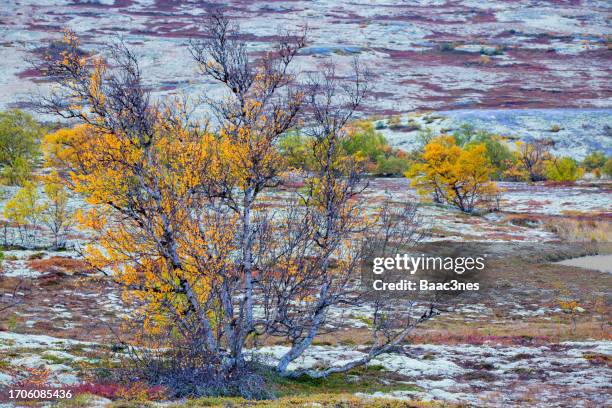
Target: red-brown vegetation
(59, 264)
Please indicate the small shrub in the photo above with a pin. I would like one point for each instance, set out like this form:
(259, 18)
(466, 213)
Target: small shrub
(293, 147)
(53, 359)
(497, 151)
(392, 165)
(607, 168)
(594, 160)
(455, 175)
(18, 172)
(521, 356)
(394, 122)
(142, 392)
(11, 322)
(58, 264)
(424, 137)
(36, 255)
(532, 159)
(413, 125)
(57, 215)
(597, 173)
(563, 169)
(34, 378)
(364, 141)
(19, 145)
(25, 210)
(185, 370)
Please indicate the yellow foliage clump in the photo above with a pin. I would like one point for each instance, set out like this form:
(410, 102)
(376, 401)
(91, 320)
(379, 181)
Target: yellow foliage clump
(455, 175)
(156, 186)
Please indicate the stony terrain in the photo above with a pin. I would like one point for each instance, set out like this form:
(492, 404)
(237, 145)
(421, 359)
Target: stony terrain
(573, 132)
(424, 54)
(491, 348)
(527, 69)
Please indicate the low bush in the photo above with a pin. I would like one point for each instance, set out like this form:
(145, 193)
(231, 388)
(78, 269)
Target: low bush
(395, 122)
(180, 370)
(393, 165)
(454, 175)
(498, 152)
(594, 160)
(607, 168)
(25, 211)
(294, 148)
(363, 143)
(19, 145)
(185, 370)
(563, 169)
(58, 264)
(532, 159)
(380, 125)
(36, 255)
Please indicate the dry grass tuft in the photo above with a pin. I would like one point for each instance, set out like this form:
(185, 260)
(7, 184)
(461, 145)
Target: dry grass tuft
(58, 264)
(573, 230)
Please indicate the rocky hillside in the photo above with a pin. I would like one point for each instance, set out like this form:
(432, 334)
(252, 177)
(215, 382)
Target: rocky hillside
(424, 54)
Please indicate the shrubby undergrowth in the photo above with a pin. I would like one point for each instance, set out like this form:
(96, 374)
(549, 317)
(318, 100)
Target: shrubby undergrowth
(186, 370)
(363, 143)
(20, 138)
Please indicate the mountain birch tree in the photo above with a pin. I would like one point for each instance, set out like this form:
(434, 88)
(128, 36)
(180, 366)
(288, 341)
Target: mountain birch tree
(181, 206)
